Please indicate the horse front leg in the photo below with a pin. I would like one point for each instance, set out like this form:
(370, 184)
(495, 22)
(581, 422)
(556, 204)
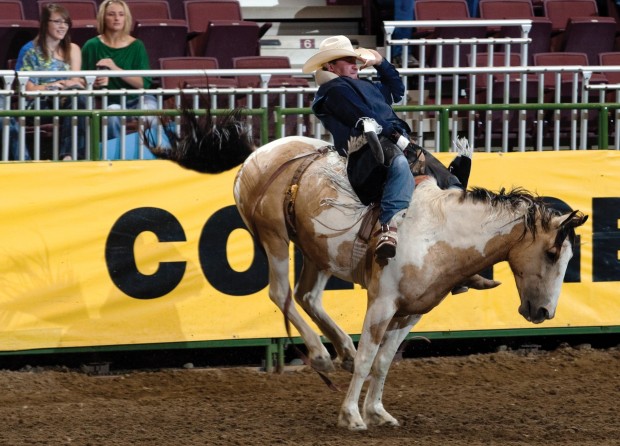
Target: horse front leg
(280, 294)
(373, 411)
(378, 316)
(309, 295)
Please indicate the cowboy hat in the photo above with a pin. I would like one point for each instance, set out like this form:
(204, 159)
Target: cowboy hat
(334, 48)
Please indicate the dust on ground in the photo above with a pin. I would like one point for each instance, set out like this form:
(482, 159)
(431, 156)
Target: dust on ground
(568, 396)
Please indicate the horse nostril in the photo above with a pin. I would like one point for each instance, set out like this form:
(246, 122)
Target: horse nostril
(542, 314)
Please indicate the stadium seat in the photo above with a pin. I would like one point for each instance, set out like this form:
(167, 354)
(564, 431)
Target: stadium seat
(540, 33)
(441, 9)
(198, 14)
(78, 9)
(149, 9)
(590, 35)
(607, 59)
(162, 38)
(12, 10)
(560, 11)
(506, 9)
(218, 42)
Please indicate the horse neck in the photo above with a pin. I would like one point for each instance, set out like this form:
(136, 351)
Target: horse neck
(477, 234)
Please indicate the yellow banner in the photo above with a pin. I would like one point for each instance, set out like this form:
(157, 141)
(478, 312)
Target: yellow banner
(136, 252)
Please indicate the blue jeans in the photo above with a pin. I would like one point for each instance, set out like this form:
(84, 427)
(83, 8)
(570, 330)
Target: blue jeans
(114, 122)
(66, 146)
(398, 189)
(473, 7)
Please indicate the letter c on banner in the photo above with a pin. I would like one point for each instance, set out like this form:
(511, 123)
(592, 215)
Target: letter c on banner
(119, 253)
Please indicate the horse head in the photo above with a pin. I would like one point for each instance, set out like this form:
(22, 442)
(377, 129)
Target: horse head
(539, 262)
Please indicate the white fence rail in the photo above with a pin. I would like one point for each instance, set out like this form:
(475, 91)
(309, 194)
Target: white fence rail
(444, 85)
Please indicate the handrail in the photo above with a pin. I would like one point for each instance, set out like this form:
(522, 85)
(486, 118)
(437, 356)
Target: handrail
(445, 112)
(581, 84)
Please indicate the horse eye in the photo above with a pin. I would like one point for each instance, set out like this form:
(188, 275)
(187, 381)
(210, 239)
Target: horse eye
(552, 255)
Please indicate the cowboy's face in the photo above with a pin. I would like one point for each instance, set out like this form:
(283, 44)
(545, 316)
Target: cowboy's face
(345, 66)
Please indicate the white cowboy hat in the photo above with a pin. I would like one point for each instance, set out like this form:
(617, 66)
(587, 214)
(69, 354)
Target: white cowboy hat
(334, 48)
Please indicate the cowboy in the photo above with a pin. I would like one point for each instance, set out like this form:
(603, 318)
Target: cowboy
(349, 108)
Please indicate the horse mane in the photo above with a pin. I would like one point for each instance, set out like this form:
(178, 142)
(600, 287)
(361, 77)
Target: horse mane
(518, 198)
(205, 144)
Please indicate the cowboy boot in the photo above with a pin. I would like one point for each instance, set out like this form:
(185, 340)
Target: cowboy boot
(388, 237)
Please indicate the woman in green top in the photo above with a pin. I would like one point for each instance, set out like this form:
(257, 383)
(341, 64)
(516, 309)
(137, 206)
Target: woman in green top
(115, 49)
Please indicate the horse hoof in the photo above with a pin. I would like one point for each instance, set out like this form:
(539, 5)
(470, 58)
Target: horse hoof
(460, 289)
(352, 425)
(348, 365)
(380, 418)
(322, 365)
(388, 421)
(478, 282)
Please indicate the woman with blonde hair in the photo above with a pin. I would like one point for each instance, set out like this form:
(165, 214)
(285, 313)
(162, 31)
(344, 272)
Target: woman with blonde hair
(115, 49)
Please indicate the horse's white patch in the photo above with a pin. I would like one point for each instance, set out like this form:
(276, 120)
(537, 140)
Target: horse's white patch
(288, 139)
(431, 212)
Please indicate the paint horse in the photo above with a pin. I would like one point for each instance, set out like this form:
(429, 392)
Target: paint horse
(294, 189)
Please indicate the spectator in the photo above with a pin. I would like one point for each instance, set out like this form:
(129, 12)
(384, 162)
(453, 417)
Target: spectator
(403, 11)
(52, 50)
(115, 49)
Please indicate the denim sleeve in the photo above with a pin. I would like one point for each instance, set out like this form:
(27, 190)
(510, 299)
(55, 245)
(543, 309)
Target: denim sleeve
(345, 104)
(390, 83)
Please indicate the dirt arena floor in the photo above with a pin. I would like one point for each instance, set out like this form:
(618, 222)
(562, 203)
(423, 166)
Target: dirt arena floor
(568, 396)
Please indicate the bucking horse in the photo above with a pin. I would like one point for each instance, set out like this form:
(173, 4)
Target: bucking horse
(295, 189)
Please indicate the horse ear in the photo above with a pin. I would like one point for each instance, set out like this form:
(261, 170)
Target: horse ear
(567, 227)
(573, 220)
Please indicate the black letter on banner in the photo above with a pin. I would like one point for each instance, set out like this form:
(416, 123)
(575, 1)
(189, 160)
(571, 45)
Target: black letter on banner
(605, 239)
(214, 262)
(120, 259)
(573, 271)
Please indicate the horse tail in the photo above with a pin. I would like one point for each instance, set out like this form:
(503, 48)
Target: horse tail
(204, 144)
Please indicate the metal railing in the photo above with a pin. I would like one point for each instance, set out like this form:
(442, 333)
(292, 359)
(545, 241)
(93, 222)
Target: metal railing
(498, 108)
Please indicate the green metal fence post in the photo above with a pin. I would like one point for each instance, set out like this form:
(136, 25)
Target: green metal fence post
(95, 135)
(444, 130)
(603, 128)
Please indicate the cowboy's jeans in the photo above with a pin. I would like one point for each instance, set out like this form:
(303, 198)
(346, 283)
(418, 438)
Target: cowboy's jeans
(398, 189)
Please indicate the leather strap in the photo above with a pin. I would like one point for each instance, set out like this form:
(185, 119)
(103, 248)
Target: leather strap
(291, 192)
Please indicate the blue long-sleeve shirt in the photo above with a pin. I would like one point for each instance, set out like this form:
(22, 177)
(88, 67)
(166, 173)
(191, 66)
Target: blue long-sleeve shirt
(341, 102)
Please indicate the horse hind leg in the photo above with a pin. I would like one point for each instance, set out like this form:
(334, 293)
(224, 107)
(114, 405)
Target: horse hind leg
(280, 294)
(308, 294)
(373, 411)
